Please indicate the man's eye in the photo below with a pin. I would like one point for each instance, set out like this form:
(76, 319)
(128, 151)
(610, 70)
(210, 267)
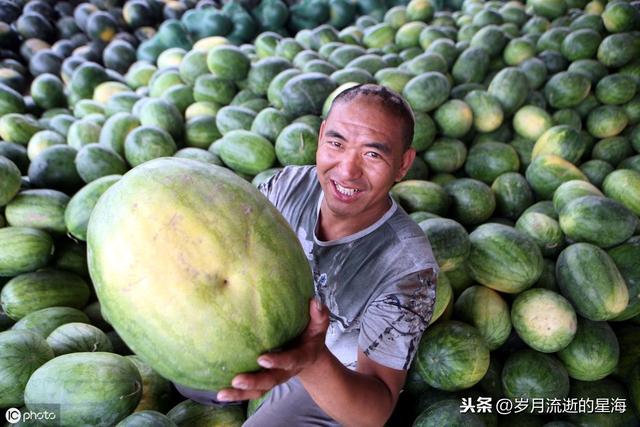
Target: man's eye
(373, 155)
(335, 144)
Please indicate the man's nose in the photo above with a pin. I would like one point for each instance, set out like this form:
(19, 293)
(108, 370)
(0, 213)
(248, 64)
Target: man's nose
(351, 165)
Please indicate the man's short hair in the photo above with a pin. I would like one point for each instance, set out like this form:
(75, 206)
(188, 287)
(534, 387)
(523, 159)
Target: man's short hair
(392, 102)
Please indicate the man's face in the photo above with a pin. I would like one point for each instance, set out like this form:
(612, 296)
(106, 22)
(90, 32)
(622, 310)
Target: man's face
(360, 156)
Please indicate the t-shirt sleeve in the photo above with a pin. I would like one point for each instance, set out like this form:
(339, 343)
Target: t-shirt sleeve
(268, 188)
(289, 189)
(393, 323)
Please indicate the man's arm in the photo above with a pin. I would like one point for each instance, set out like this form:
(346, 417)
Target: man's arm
(363, 398)
(353, 398)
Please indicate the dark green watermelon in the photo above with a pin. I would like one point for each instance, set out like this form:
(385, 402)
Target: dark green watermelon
(452, 356)
(44, 288)
(84, 403)
(21, 353)
(589, 278)
(593, 353)
(530, 374)
(504, 258)
(449, 242)
(486, 310)
(78, 337)
(420, 195)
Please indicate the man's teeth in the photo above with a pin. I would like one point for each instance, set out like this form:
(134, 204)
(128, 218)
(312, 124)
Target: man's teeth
(346, 191)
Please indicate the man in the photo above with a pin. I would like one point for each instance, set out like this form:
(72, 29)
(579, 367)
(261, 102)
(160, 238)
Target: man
(373, 268)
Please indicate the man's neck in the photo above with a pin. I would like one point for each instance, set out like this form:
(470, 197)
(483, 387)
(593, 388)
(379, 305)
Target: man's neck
(331, 227)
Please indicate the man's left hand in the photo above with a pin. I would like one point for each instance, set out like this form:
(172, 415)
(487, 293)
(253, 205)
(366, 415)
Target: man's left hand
(279, 367)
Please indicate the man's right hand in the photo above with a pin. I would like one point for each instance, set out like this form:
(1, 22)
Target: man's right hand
(279, 367)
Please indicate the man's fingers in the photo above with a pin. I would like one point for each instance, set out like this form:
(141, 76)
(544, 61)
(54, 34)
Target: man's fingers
(252, 386)
(264, 380)
(232, 394)
(289, 360)
(319, 321)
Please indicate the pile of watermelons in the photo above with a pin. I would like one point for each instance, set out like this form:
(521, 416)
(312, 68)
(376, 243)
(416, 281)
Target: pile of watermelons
(527, 182)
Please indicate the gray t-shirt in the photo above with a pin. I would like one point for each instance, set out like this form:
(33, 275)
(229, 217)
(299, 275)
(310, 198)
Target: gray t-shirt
(375, 282)
(378, 284)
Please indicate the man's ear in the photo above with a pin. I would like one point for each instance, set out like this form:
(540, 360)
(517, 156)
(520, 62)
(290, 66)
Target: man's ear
(321, 131)
(407, 160)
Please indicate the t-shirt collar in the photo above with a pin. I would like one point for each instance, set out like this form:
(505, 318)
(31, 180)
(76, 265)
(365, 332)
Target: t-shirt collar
(350, 238)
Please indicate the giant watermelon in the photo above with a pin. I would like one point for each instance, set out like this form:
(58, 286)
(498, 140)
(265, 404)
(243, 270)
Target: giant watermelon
(197, 271)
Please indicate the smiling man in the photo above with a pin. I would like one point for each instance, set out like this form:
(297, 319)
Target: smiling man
(373, 268)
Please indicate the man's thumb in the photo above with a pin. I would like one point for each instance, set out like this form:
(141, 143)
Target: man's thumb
(319, 312)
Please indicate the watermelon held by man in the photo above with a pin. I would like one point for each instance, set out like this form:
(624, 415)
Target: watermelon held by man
(197, 271)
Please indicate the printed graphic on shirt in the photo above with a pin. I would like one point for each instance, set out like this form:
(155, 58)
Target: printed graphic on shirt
(413, 315)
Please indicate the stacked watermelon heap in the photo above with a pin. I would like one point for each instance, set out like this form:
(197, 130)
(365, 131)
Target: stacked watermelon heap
(44, 33)
(527, 179)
